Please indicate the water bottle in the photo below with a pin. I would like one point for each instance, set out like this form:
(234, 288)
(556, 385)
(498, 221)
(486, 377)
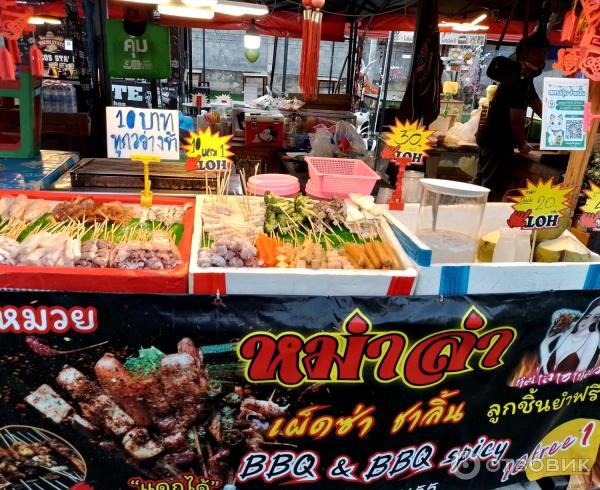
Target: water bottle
(63, 99)
(72, 99)
(45, 97)
(52, 98)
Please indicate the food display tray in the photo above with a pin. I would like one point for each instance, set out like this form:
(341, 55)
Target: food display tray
(488, 278)
(104, 280)
(298, 282)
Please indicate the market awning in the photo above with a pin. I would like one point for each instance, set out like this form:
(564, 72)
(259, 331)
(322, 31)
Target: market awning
(279, 24)
(381, 16)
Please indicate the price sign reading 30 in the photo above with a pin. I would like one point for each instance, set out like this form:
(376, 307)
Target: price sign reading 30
(407, 140)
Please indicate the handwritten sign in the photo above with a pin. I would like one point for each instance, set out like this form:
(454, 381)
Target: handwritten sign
(207, 151)
(540, 206)
(407, 140)
(562, 121)
(591, 209)
(130, 130)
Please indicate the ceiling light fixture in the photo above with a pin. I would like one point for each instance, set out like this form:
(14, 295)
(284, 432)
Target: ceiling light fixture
(252, 39)
(200, 3)
(472, 26)
(237, 9)
(39, 20)
(189, 12)
(147, 2)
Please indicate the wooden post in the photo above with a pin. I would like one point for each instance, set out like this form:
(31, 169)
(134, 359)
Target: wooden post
(578, 161)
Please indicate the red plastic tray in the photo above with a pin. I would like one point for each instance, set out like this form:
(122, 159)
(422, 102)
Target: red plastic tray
(174, 281)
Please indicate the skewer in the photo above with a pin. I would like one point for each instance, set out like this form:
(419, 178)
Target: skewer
(52, 484)
(209, 449)
(25, 485)
(199, 451)
(61, 473)
(29, 437)
(42, 435)
(12, 437)
(5, 441)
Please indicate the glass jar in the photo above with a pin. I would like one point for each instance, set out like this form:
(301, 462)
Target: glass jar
(450, 217)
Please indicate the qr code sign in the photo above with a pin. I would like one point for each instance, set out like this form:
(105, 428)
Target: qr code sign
(574, 130)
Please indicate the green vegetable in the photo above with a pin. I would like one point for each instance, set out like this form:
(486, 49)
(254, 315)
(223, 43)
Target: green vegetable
(147, 361)
(176, 231)
(40, 223)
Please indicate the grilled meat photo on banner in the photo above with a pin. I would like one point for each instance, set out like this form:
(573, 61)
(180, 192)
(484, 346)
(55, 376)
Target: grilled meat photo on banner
(120, 392)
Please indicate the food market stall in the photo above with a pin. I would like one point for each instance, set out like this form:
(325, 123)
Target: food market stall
(320, 339)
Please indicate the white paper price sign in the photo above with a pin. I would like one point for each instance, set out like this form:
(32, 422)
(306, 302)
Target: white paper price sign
(130, 130)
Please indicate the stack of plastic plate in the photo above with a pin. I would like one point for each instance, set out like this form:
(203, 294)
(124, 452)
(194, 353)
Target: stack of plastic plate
(281, 185)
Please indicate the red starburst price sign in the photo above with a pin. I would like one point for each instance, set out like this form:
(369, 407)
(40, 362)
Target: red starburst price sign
(591, 209)
(208, 152)
(540, 206)
(407, 140)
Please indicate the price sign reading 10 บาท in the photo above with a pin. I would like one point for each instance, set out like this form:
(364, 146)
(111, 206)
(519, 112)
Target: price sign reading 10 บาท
(207, 151)
(540, 206)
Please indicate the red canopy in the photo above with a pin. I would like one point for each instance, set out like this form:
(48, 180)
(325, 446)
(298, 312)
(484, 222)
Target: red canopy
(289, 24)
(280, 24)
(380, 27)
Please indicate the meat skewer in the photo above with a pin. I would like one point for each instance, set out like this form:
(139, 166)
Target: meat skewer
(183, 386)
(94, 402)
(122, 388)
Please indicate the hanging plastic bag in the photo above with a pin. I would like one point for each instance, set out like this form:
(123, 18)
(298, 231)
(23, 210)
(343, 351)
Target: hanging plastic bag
(348, 140)
(464, 134)
(321, 144)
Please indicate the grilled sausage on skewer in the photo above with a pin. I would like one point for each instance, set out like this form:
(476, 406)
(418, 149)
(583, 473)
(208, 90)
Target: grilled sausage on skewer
(122, 388)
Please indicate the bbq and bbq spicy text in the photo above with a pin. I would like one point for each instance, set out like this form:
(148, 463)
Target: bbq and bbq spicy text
(291, 359)
(288, 467)
(43, 319)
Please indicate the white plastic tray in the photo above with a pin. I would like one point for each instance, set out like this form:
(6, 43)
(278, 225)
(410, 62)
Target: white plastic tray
(299, 282)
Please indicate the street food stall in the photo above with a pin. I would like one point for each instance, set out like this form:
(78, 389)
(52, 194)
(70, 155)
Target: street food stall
(241, 299)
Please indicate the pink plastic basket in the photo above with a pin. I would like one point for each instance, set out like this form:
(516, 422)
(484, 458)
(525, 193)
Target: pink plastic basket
(341, 176)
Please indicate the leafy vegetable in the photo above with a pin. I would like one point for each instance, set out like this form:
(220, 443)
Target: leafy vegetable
(41, 222)
(147, 361)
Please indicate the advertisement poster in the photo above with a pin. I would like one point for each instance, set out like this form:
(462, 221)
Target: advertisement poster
(138, 93)
(562, 121)
(116, 392)
(59, 57)
(145, 56)
(130, 130)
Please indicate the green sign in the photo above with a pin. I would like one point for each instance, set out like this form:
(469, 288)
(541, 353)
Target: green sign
(146, 56)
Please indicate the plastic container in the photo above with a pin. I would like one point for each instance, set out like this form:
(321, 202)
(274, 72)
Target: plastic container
(341, 176)
(514, 245)
(412, 190)
(281, 185)
(311, 191)
(450, 217)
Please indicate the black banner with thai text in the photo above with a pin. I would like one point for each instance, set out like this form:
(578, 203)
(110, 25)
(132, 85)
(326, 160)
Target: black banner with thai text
(180, 392)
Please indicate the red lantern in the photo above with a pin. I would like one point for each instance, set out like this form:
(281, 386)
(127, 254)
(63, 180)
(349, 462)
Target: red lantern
(318, 4)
